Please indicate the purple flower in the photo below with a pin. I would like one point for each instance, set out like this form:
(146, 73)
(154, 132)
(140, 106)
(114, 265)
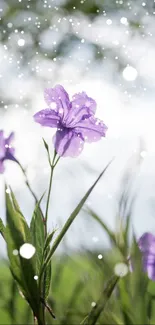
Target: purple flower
(74, 120)
(146, 245)
(6, 150)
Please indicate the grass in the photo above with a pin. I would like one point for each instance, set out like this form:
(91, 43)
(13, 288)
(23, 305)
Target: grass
(80, 285)
(78, 282)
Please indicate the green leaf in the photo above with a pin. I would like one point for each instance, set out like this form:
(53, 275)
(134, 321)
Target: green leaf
(2, 228)
(79, 286)
(49, 239)
(125, 301)
(48, 270)
(151, 288)
(42, 247)
(14, 201)
(48, 154)
(47, 284)
(138, 285)
(46, 145)
(103, 225)
(127, 229)
(11, 304)
(72, 217)
(100, 305)
(38, 236)
(16, 221)
(17, 233)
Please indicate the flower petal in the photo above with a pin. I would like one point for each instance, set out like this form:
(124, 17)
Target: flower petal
(10, 138)
(47, 117)
(67, 143)
(82, 107)
(149, 265)
(146, 243)
(81, 100)
(57, 99)
(91, 129)
(2, 145)
(9, 155)
(9, 150)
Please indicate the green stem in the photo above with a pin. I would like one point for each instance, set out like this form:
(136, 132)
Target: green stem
(40, 320)
(101, 304)
(48, 308)
(27, 182)
(69, 222)
(49, 193)
(52, 165)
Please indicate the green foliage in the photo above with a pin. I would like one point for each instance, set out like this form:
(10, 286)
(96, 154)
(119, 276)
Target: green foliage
(2, 228)
(17, 233)
(101, 303)
(72, 217)
(84, 289)
(37, 236)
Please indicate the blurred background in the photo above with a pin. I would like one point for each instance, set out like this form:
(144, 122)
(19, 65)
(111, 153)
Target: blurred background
(107, 49)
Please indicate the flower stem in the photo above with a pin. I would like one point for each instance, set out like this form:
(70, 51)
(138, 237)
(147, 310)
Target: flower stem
(27, 182)
(52, 165)
(49, 193)
(70, 221)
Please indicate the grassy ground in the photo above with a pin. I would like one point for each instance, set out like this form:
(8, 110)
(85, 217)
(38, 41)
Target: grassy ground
(78, 282)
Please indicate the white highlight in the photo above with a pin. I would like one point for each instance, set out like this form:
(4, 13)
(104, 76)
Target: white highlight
(100, 256)
(143, 154)
(9, 25)
(53, 105)
(36, 277)
(21, 42)
(95, 239)
(124, 21)
(15, 252)
(109, 21)
(27, 250)
(130, 73)
(121, 269)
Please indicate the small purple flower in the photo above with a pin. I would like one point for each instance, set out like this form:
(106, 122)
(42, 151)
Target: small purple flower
(74, 120)
(146, 245)
(6, 150)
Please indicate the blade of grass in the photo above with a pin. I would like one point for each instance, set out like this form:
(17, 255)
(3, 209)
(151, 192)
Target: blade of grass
(104, 226)
(100, 305)
(71, 219)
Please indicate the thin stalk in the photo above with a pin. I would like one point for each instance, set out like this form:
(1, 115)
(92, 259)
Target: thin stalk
(70, 221)
(101, 304)
(52, 165)
(48, 308)
(27, 182)
(49, 193)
